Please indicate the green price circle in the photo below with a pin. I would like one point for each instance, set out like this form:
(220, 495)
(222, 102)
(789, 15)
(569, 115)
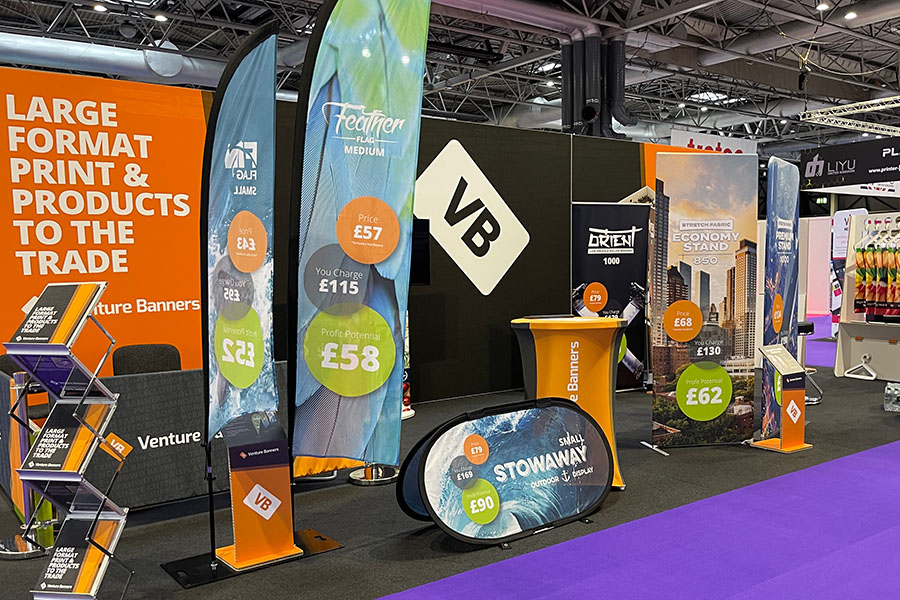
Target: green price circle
(623, 347)
(703, 391)
(350, 354)
(777, 387)
(481, 502)
(239, 348)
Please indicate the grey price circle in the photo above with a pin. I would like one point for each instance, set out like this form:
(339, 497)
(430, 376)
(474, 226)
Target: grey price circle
(334, 282)
(463, 473)
(233, 290)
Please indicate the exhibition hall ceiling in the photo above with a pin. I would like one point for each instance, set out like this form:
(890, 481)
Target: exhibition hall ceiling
(744, 68)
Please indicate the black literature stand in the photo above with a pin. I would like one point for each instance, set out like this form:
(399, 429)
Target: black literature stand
(81, 408)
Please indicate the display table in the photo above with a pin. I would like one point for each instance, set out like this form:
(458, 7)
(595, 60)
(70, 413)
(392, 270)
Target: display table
(574, 358)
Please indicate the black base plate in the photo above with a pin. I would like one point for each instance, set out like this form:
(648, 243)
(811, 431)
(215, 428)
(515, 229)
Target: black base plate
(195, 571)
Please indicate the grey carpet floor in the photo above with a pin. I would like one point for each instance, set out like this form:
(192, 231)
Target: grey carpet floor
(386, 551)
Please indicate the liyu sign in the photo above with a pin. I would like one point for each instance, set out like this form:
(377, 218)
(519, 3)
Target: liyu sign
(715, 143)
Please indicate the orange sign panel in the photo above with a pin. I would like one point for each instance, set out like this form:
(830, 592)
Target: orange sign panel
(102, 182)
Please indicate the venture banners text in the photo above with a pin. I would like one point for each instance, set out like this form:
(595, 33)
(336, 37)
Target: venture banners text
(77, 182)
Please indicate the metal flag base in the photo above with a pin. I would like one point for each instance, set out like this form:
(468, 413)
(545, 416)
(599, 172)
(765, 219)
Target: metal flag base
(15, 547)
(374, 475)
(196, 570)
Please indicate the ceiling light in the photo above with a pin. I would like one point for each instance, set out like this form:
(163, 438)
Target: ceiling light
(707, 97)
(878, 137)
(681, 105)
(548, 67)
(366, 53)
(850, 15)
(784, 121)
(703, 109)
(99, 8)
(161, 18)
(823, 6)
(865, 134)
(405, 59)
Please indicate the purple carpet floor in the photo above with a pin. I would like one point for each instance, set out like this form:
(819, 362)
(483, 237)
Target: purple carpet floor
(820, 354)
(826, 532)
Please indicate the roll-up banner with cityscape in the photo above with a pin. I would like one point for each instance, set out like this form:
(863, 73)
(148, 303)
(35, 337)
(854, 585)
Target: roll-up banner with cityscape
(609, 276)
(236, 233)
(782, 274)
(703, 298)
(507, 471)
(359, 158)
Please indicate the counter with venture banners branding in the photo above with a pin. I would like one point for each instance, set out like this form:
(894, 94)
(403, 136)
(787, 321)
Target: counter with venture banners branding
(506, 472)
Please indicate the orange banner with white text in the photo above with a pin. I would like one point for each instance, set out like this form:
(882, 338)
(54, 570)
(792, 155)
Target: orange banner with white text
(100, 180)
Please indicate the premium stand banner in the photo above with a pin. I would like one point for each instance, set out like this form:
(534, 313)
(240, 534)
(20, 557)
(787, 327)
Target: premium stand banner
(508, 471)
(703, 298)
(237, 220)
(782, 275)
(609, 276)
(359, 136)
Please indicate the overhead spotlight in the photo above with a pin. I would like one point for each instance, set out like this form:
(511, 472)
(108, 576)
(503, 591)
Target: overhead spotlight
(878, 137)
(783, 121)
(663, 113)
(703, 109)
(681, 105)
(865, 134)
(161, 18)
(850, 15)
(822, 6)
(99, 8)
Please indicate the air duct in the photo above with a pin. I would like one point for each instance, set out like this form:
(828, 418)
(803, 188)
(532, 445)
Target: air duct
(592, 107)
(152, 66)
(615, 76)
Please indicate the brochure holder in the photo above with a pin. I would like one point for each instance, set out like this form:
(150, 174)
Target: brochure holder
(792, 378)
(81, 408)
(573, 358)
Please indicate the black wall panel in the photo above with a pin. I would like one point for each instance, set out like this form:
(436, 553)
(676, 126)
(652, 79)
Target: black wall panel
(460, 340)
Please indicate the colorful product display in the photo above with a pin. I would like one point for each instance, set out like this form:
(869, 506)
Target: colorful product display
(359, 141)
(782, 280)
(703, 296)
(238, 192)
(609, 276)
(507, 471)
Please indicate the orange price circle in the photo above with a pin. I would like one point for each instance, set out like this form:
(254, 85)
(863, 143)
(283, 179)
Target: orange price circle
(476, 449)
(595, 296)
(368, 230)
(683, 320)
(777, 313)
(247, 242)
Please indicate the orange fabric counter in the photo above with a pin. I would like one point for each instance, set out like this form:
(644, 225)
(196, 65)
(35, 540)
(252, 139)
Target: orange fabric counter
(574, 358)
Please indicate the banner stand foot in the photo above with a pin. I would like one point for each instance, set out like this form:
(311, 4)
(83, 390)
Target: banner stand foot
(15, 547)
(196, 570)
(374, 475)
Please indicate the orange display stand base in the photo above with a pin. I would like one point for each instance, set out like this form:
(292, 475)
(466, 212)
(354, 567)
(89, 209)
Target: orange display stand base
(774, 444)
(226, 554)
(574, 358)
(791, 385)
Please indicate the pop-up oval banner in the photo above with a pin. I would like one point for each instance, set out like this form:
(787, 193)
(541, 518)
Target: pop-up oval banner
(509, 471)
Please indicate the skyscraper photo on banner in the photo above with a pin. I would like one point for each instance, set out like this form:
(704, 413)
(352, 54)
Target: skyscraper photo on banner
(703, 294)
(782, 272)
(360, 145)
(239, 187)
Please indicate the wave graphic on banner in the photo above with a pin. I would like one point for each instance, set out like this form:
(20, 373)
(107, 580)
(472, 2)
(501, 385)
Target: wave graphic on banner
(359, 151)
(236, 236)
